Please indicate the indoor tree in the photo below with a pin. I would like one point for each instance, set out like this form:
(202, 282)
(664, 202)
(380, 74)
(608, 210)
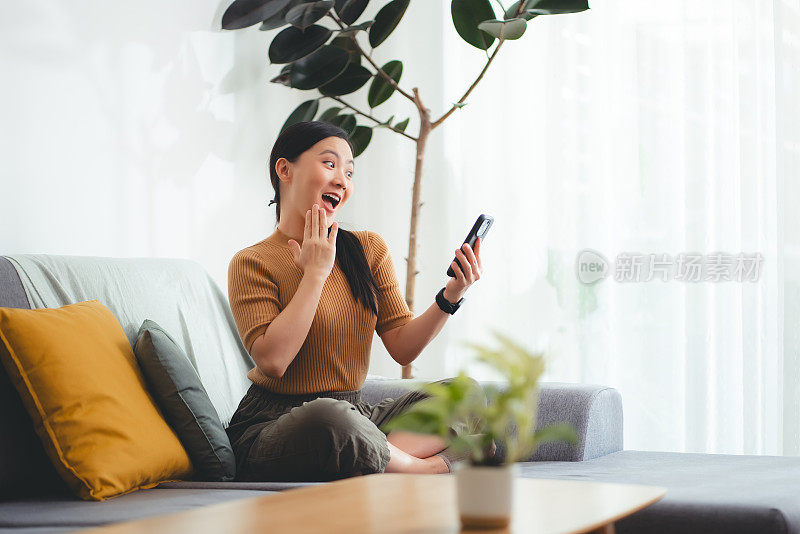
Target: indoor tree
(329, 59)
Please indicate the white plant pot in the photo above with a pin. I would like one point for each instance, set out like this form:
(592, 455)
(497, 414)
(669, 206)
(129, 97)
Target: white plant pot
(485, 494)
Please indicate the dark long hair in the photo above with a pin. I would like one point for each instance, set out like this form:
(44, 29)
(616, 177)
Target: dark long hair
(290, 144)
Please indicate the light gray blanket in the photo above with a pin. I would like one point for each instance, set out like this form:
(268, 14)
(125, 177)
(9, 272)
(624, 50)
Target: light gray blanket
(178, 294)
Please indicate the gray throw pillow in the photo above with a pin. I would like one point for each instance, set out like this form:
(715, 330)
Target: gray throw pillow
(179, 393)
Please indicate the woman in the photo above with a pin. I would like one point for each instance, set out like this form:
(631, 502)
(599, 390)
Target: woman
(306, 301)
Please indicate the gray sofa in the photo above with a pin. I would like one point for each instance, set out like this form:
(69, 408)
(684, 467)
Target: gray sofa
(707, 493)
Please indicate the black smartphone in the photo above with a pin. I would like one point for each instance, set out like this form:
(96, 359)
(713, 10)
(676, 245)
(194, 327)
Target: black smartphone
(479, 229)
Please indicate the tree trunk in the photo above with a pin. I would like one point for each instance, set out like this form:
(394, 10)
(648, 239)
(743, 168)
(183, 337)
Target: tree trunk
(411, 260)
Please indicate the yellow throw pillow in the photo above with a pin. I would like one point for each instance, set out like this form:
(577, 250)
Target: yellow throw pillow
(78, 378)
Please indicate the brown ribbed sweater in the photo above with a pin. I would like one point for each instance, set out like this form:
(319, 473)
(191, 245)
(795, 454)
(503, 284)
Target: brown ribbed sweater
(263, 278)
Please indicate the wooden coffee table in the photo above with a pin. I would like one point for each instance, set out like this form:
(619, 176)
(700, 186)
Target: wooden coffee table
(400, 502)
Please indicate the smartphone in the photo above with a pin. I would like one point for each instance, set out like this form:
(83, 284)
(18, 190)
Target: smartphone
(479, 229)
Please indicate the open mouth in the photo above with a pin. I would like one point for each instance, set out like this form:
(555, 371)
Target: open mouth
(330, 201)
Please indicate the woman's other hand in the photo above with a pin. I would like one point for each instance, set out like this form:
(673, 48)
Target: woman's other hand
(471, 260)
(318, 253)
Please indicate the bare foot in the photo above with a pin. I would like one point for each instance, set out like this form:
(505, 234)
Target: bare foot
(402, 462)
(438, 464)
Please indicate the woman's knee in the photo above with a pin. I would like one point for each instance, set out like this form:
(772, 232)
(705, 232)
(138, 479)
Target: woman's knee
(354, 445)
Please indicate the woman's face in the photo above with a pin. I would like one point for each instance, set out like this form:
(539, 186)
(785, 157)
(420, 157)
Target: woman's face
(326, 167)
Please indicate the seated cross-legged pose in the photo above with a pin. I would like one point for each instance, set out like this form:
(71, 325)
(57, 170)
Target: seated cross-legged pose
(306, 301)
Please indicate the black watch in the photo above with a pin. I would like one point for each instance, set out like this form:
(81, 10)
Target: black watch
(445, 305)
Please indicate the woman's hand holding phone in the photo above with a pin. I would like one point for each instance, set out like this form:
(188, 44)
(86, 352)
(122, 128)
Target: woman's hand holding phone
(472, 271)
(318, 252)
(466, 267)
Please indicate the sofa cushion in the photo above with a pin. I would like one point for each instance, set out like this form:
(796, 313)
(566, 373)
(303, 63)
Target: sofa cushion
(78, 379)
(709, 493)
(54, 513)
(184, 402)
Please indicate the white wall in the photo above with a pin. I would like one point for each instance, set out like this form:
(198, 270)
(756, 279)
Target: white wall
(142, 129)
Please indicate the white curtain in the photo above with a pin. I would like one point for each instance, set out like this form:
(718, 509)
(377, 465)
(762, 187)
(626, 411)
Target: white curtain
(649, 128)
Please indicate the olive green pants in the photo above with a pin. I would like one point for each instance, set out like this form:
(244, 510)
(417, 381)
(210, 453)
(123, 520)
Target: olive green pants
(317, 436)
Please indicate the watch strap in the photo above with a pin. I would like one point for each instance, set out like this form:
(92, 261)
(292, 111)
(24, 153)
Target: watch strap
(445, 305)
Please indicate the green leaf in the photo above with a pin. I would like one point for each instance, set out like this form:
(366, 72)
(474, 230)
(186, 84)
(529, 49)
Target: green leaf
(380, 90)
(346, 122)
(511, 12)
(244, 13)
(278, 19)
(329, 114)
(360, 139)
(293, 43)
(413, 422)
(467, 14)
(557, 432)
(349, 81)
(504, 29)
(303, 112)
(345, 43)
(350, 10)
(556, 7)
(304, 15)
(435, 390)
(318, 68)
(386, 21)
(401, 125)
(431, 406)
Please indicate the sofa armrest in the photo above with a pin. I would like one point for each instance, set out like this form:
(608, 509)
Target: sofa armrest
(595, 412)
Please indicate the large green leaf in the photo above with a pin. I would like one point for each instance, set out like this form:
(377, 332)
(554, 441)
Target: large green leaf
(350, 10)
(351, 80)
(303, 112)
(304, 15)
(386, 21)
(329, 114)
(346, 122)
(244, 13)
(380, 90)
(318, 68)
(467, 14)
(345, 43)
(360, 139)
(293, 43)
(505, 29)
(556, 7)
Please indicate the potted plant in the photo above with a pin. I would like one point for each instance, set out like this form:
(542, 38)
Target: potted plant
(484, 481)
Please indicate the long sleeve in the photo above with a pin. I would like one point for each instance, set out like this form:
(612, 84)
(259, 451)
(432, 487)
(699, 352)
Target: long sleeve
(253, 296)
(393, 311)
